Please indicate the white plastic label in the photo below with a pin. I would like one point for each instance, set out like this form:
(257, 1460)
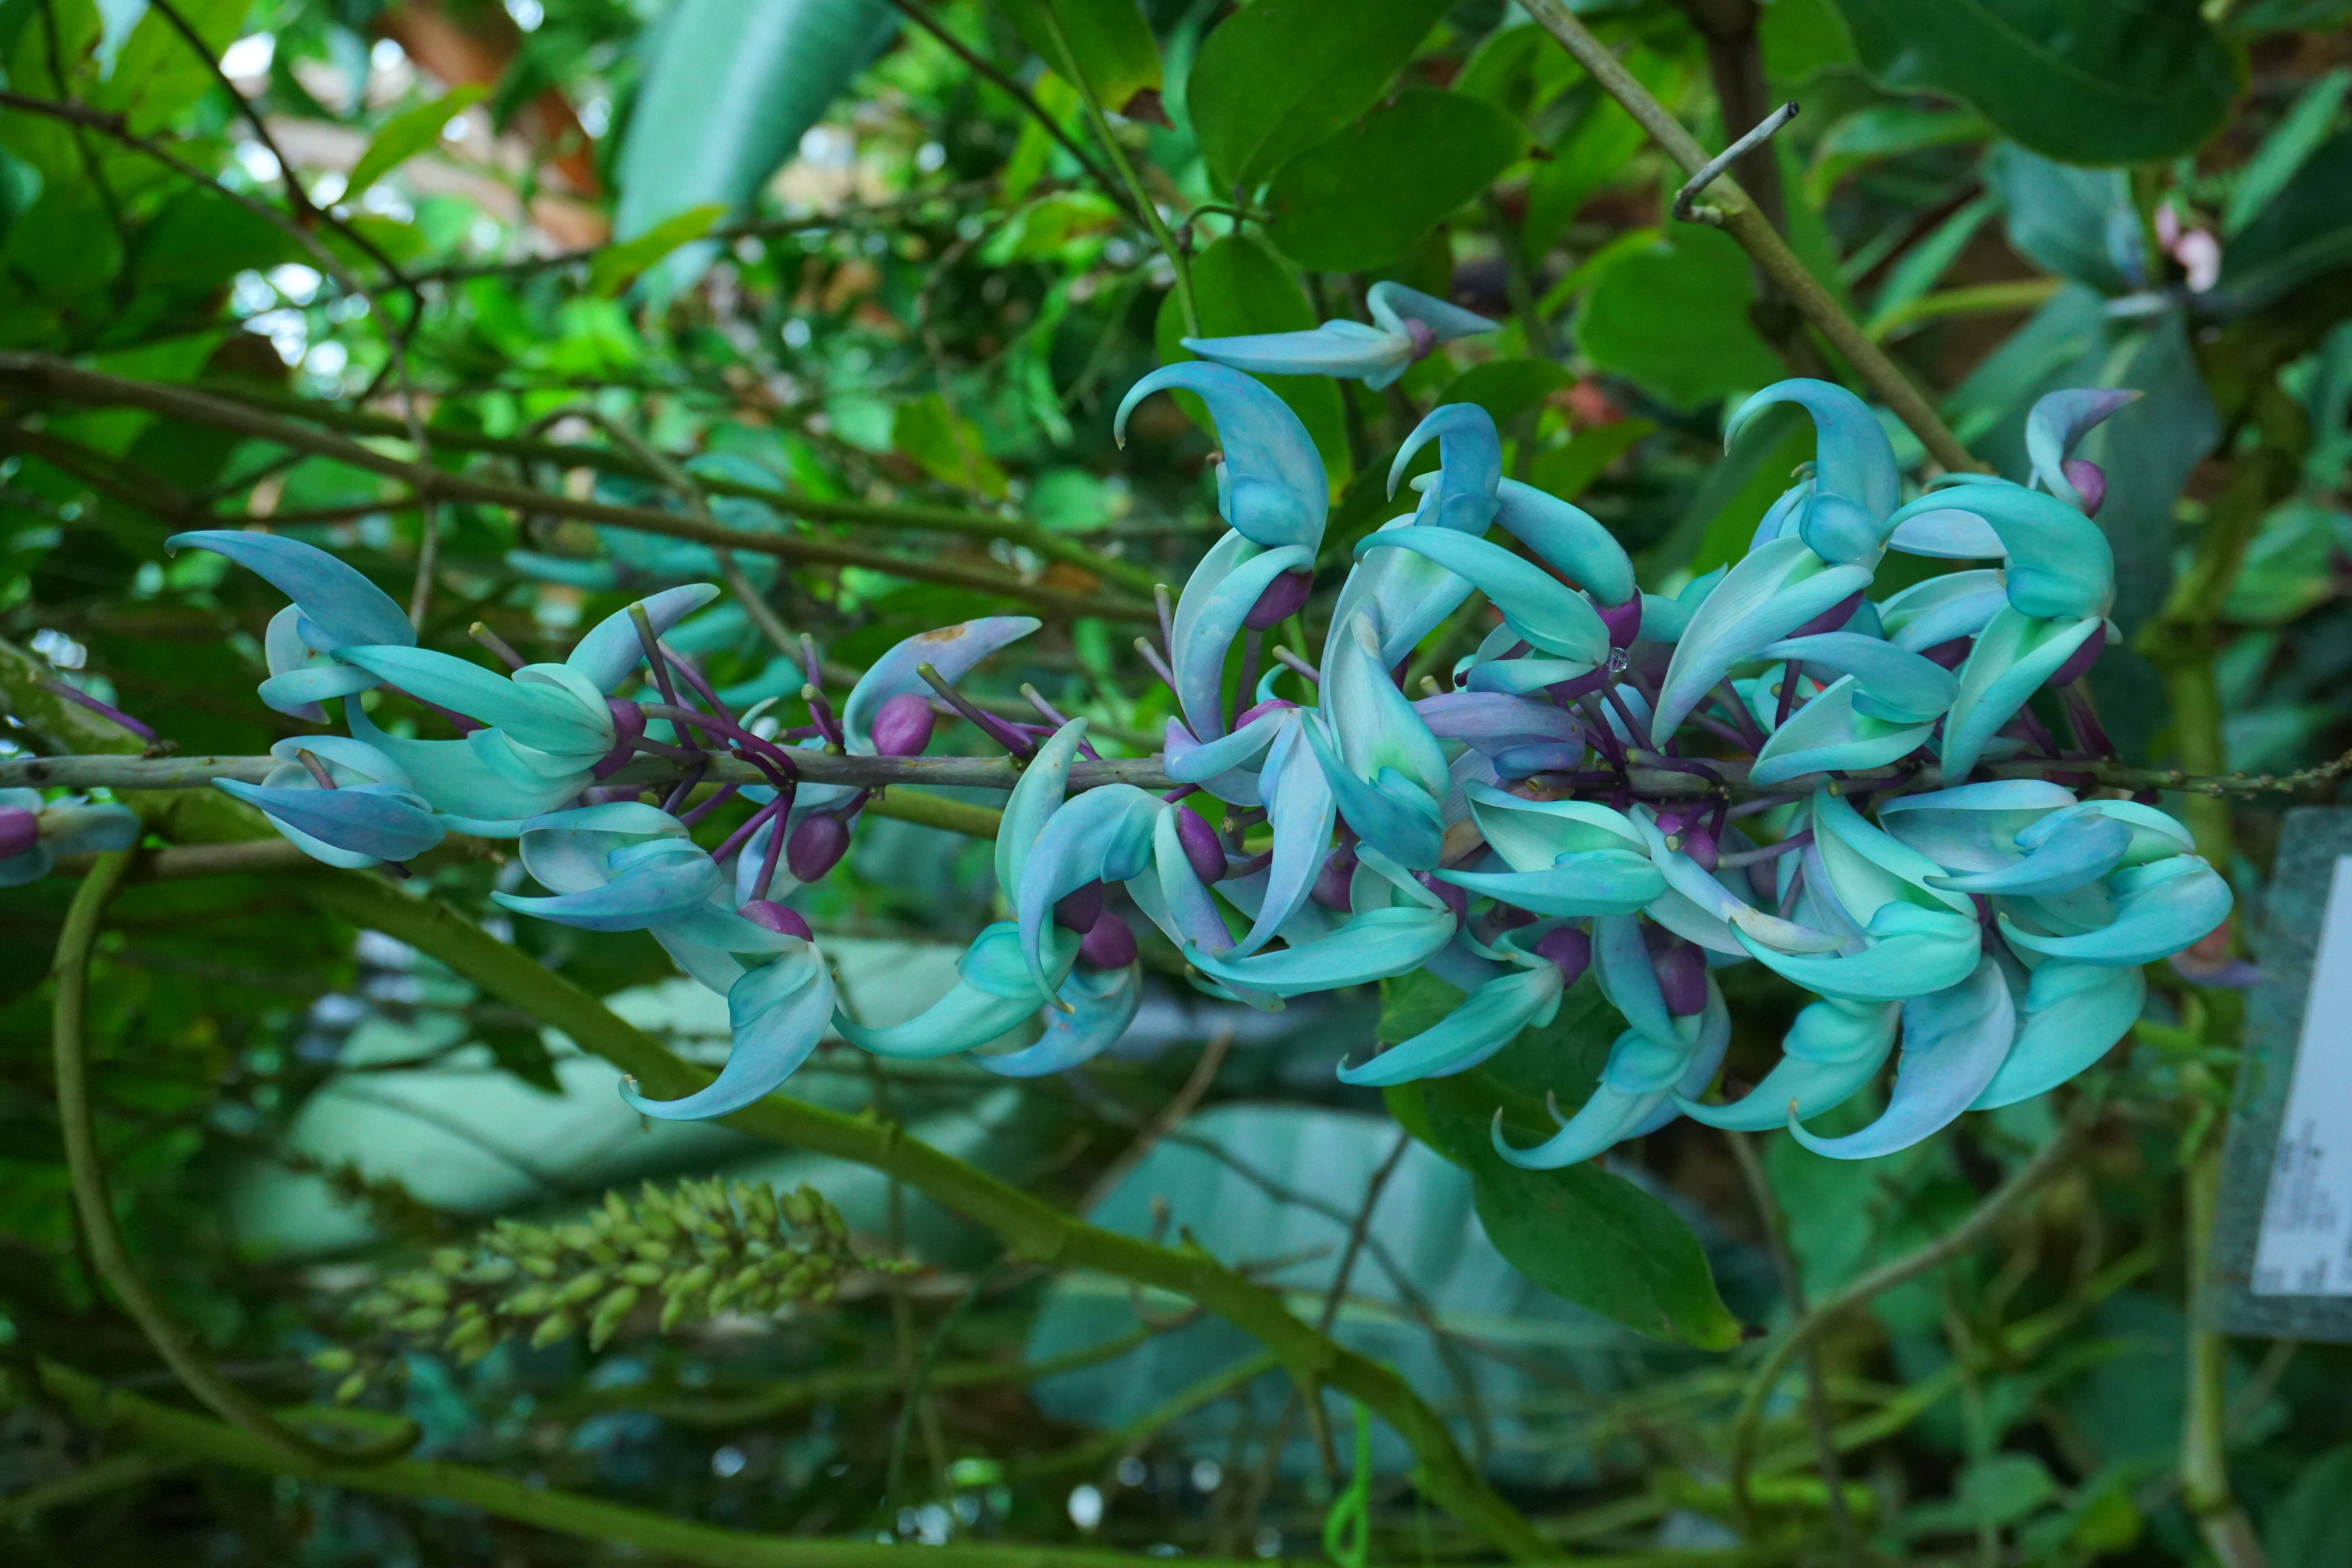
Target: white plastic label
(2306, 1241)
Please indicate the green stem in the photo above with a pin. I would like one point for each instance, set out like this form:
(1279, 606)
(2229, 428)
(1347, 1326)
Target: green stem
(1029, 1228)
(70, 973)
(1108, 1446)
(1142, 198)
(1741, 218)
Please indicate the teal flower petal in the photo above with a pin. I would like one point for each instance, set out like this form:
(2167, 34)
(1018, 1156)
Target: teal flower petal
(1770, 592)
(1636, 1085)
(1943, 609)
(1829, 732)
(778, 1013)
(1488, 1020)
(2088, 850)
(2074, 1014)
(1891, 683)
(1493, 722)
(2014, 657)
(1972, 827)
(1203, 632)
(1036, 797)
(1954, 1040)
(2060, 565)
(1271, 486)
(572, 851)
(1536, 605)
(1567, 538)
(1405, 596)
(2154, 835)
(297, 692)
(485, 777)
(1223, 767)
(544, 717)
(1854, 460)
(2059, 420)
(1946, 534)
(341, 606)
(611, 647)
(646, 891)
(1301, 810)
(1102, 1003)
(1396, 308)
(2160, 908)
(1374, 945)
(1345, 350)
(1531, 835)
(1912, 950)
(954, 651)
(381, 820)
(1830, 1053)
(1103, 836)
(1470, 466)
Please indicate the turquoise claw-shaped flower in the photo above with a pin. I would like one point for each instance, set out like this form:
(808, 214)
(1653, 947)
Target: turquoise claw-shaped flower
(995, 993)
(1701, 907)
(952, 651)
(2059, 420)
(1410, 324)
(1524, 995)
(1832, 1049)
(1883, 706)
(1855, 484)
(2013, 656)
(1913, 937)
(1955, 1040)
(370, 815)
(2072, 1016)
(1567, 858)
(1103, 836)
(1101, 1003)
(1536, 606)
(1943, 610)
(1385, 769)
(777, 1013)
(1639, 1081)
(1218, 600)
(34, 832)
(2159, 908)
(333, 607)
(1271, 484)
(1395, 926)
(1773, 593)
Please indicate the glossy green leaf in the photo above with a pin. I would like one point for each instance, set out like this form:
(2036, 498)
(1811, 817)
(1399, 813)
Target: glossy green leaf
(2298, 133)
(2078, 223)
(618, 265)
(731, 87)
(2310, 1527)
(1277, 76)
(407, 135)
(1359, 199)
(1800, 37)
(1672, 316)
(1567, 471)
(1241, 287)
(1115, 52)
(945, 445)
(1599, 145)
(2088, 81)
(1882, 130)
(2304, 233)
(1507, 388)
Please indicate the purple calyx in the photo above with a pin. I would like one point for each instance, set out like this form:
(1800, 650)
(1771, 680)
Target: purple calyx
(1831, 619)
(902, 726)
(1203, 851)
(1623, 621)
(770, 915)
(1424, 336)
(1682, 976)
(628, 728)
(19, 831)
(1454, 897)
(2090, 482)
(1948, 655)
(1281, 600)
(1568, 949)
(2079, 662)
(1108, 944)
(1080, 911)
(817, 845)
(1331, 882)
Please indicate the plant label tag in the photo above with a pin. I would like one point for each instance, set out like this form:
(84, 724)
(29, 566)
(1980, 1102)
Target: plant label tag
(2283, 1234)
(2306, 1238)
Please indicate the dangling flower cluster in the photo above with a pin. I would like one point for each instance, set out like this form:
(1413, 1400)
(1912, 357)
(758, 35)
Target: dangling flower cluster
(1648, 789)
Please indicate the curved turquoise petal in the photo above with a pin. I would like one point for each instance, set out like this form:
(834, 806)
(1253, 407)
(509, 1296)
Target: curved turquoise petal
(1201, 761)
(1301, 810)
(546, 718)
(1545, 611)
(1770, 592)
(1911, 952)
(1972, 827)
(1518, 677)
(1946, 534)
(2059, 420)
(965, 1018)
(1493, 722)
(1635, 1081)
(1852, 457)
(1395, 306)
(1103, 836)
(2160, 908)
(297, 692)
(571, 851)
(1470, 466)
(1569, 537)
(1203, 638)
(2088, 850)
(2060, 565)
(2014, 657)
(1868, 868)
(1370, 723)
(1828, 733)
(1604, 1122)
(1488, 1020)
(1036, 797)
(478, 777)
(2074, 1014)
(1724, 910)
(1701, 1061)
(2154, 835)
(1272, 487)
(647, 894)
(778, 1013)
(1891, 683)
(88, 827)
(1531, 835)
(1954, 1040)
(1102, 1003)
(341, 606)
(1831, 1052)
(954, 651)
(380, 820)
(1621, 967)
(1345, 350)
(611, 647)
(1407, 596)
(1367, 947)
(1585, 882)
(1943, 609)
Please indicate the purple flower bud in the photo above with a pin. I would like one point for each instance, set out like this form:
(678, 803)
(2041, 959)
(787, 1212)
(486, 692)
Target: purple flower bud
(1831, 619)
(1331, 882)
(1623, 621)
(19, 831)
(1454, 899)
(628, 724)
(1949, 655)
(1568, 947)
(770, 915)
(1202, 852)
(1698, 843)
(1110, 945)
(1681, 978)
(2083, 658)
(1281, 600)
(1080, 911)
(2090, 482)
(817, 845)
(902, 726)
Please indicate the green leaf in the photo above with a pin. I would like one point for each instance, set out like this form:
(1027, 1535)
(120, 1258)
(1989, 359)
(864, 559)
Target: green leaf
(407, 135)
(1359, 199)
(1583, 1234)
(1802, 37)
(1884, 131)
(2078, 223)
(1279, 75)
(1598, 147)
(947, 445)
(618, 265)
(1567, 471)
(1506, 388)
(1050, 224)
(2088, 81)
(1241, 287)
(1672, 315)
(2304, 233)
(1113, 43)
(2311, 1528)
(2294, 139)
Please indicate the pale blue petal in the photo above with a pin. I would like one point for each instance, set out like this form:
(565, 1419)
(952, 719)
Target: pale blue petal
(1393, 304)
(1531, 835)
(1197, 762)
(778, 1013)
(1103, 1003)
(1371, 946)
(1339, 349)
(2059, 420)
(1407, 595)
(1972, 827)
(1703, 894)
(1943, 609)
(2060, 565)
(479, 777)
(1103, 836)
(1204, 637)
(1853, 459)
(546, 718)
(1947, 533)
(1301, 811)
(2160, 908)
(2013, 658)
(1827, 732)
(1488, 1020)
(1272, 487)
(1518, 677)
(1770, 593)
(1621, 967)
(1545, 611)
(2074, 1014)
(571, 851)
(1831, 1052)
(965, 1018)
(1036, 797)
(1461, 497)
(647, 894)
(611, 647)
(1586, 882)
(1912, 950)
(2154, 834)
(1569, 537)
(954, 651)
(341, 606)
(1371, 722)
(1493, 722)
(383, 821)
(1954, 1040)
(2088, 850)
(297, 692)
(1893, 684)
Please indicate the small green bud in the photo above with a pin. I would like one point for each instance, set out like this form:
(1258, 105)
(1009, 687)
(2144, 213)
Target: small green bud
(557, 1326)
(582, 1288)
(451, 1261)
(643, 1274)
(334, 1358)
(609, 1312)
(351, 1388)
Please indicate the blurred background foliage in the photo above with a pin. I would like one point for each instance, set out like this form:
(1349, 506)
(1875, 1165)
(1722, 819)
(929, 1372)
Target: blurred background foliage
(876, 273)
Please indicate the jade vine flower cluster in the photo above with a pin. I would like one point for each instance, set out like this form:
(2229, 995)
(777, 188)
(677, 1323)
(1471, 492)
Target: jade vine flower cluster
(1504, 827)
